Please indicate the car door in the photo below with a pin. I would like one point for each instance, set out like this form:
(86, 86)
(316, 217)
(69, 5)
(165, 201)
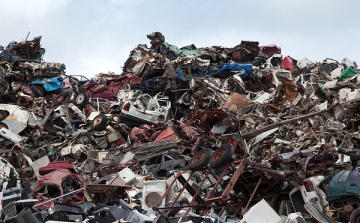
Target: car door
(353, 184)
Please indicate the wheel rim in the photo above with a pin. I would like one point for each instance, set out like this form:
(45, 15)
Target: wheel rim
(80, 98)
(219, 154)
(357, 219)
(83, 140)
(199, 157)
(97, 120)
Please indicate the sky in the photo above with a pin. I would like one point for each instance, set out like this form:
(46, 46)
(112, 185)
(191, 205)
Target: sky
(93, 36)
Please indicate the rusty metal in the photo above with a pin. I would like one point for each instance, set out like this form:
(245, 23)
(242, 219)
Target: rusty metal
(279, 124)
(64, 195)
(219, 153)
(227, 100)
(230, 185)
(271, 106)
(221, 200)
(104, 193)
(150, 149)
(206, 119)
(199, 157)
(169, 187)
(211, 199)
(198, 190)
(235, 102)
(252, 195)
(186, 186)
(180, 192)
(348, 208)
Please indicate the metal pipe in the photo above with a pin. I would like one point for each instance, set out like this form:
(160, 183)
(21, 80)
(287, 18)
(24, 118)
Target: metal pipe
(75, 191)
(252, 195)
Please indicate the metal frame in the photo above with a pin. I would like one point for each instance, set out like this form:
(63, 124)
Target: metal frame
(258, 185)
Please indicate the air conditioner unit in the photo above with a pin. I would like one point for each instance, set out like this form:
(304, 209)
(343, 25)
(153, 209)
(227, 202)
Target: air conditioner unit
(152, 193)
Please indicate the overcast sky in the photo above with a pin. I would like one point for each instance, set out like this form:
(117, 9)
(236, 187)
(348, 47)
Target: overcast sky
(93, 36)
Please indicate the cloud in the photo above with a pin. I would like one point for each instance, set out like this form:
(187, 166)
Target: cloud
(92, 36)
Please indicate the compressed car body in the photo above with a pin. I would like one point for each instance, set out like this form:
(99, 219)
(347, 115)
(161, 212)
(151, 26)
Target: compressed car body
(108, 89)
(58, 183)
(270, 49)
(163, 164)
(140, 108)
(13, 117)
(49, 84)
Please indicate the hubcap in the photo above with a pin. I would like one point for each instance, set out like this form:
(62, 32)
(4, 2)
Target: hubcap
(83, 140)
(97, 120)
(199, 157)
(219, 154)
(357, 219)
(80, 98)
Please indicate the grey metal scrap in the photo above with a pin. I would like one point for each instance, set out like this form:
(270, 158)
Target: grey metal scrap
(10, 135)
(150, 149)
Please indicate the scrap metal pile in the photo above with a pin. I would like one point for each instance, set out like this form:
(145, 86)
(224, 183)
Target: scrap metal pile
(185, 134)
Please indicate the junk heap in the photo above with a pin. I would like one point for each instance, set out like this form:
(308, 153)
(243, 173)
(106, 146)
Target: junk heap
(211, 134)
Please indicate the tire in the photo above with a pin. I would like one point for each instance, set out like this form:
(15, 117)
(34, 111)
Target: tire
(355, 216)
(81, 99)
(3, 115)
(200, 160)
(3, 125)
(222, 156)
(37, 90)
(99, 123)
(83, 139)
